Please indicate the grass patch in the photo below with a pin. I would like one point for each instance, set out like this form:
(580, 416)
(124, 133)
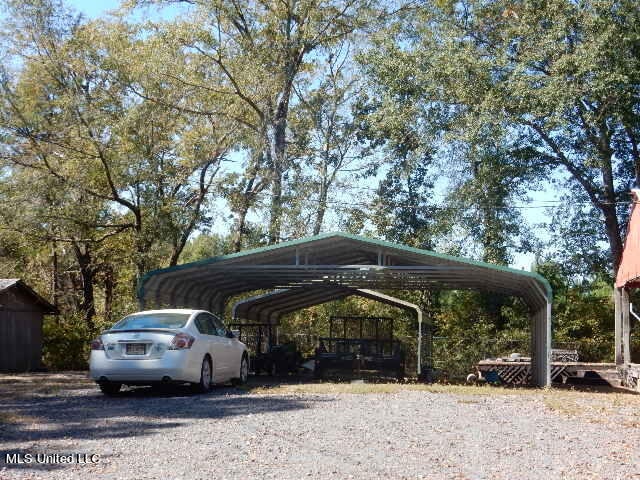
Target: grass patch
(596, 406)
(383, 388)
(14, 386)
(592, 404)
(562, 405)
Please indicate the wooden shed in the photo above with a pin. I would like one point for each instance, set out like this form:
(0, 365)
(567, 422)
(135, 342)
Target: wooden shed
(21, 313)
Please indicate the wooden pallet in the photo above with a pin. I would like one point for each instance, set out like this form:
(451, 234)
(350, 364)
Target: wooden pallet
(519, 373)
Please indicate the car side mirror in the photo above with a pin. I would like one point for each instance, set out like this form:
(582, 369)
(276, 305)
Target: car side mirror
(230, 334)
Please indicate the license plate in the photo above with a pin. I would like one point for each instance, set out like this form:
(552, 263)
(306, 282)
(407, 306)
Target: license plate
(136, 348)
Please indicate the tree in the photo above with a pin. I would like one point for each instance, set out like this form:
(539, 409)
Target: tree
(252, 55)
(242, 191)
(488, 183)
(86, 158)
(326, 137)
(69, 113)
(483, 197)
(559, 77)
(582, 309)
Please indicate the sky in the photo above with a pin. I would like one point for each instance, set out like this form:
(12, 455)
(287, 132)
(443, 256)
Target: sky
(533, 215)
(94, 8)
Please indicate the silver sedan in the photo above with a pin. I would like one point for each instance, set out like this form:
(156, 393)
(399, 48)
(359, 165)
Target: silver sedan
(168, 346)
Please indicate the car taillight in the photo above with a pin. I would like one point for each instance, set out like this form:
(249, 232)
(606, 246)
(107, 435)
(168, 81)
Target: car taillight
(97, 344)
(181, 341)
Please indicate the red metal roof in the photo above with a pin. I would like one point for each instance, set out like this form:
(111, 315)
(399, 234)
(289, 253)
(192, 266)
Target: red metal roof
(629, 270)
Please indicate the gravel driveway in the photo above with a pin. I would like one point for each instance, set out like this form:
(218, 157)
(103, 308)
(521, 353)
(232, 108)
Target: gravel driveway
(294, 432)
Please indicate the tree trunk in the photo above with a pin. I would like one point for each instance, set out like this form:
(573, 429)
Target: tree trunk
(602, 197)
(142, 248)
(278, 152)
(278, 159)
(275, 221)
(141, 265)
(612, 228)
(251, 190)
(236, 245)
(109, 287)
(87, 274)
(180, 243)
(55, 276)
(608, 207)
(322, 208)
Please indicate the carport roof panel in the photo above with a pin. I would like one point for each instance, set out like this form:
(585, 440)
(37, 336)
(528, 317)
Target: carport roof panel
(335, 258)
(271, 306)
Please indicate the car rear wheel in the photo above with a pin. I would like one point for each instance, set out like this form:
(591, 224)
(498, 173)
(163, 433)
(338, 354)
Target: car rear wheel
(110, 388)
(244, 372)
(204, 385)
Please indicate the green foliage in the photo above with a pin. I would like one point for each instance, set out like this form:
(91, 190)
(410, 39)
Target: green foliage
(205, 246)
(582, 313)
(576, 240)
(555, 80)
(122, 140)
(467, 331)
(66, 343)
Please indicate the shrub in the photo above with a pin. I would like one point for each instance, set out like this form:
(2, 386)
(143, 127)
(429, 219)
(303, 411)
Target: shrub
(66, 343)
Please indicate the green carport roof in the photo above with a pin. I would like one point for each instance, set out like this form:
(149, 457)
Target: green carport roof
(271, 307)
(332, 260)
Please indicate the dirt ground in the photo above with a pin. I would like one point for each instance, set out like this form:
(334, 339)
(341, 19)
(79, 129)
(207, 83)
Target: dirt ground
(289, 430)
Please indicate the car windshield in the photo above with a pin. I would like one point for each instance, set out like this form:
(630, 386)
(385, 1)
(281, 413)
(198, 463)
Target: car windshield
(152, 320)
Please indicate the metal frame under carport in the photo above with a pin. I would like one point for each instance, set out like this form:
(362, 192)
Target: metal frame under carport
(271, 307)
(342, 260)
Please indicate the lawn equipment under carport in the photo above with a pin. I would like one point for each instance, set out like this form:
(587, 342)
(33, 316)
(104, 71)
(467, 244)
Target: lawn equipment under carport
(266, 354)
(360, 344)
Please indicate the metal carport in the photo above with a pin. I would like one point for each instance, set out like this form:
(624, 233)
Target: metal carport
(342, 260)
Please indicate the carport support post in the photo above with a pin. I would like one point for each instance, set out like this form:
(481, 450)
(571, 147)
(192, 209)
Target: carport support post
(617, 296)
(419, 343)
(626, 327)
(541, 346)
(547, 347)
(622, 326)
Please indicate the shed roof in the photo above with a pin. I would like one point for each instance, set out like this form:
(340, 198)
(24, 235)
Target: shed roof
(17, 284)
(7, 282)
(333, 260)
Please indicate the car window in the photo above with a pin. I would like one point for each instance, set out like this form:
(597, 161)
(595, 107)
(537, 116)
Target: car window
(218, 326)
(152, 320)
(212, 326)
(203, 324)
